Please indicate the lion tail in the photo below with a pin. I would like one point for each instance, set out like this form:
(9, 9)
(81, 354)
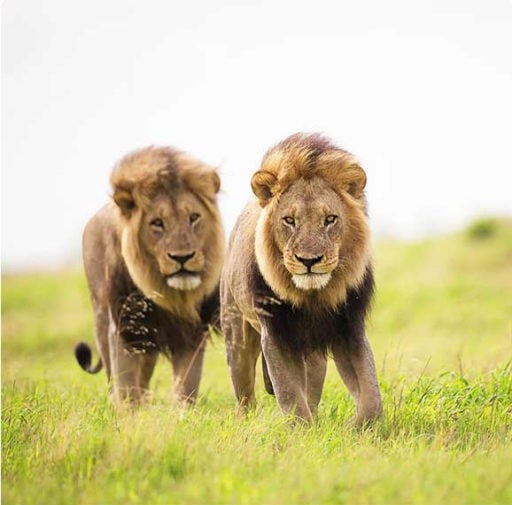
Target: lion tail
(83, 355)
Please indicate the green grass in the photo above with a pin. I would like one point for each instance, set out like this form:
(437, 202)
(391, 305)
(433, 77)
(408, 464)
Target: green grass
(441, 329)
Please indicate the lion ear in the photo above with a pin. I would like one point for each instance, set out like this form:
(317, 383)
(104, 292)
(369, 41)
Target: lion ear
(214, 177)
(204, 181)
(354, 180)
(263, 185)
(124, 200)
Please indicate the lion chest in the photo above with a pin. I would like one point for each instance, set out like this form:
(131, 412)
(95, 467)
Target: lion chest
(144, 327)
(302, 330)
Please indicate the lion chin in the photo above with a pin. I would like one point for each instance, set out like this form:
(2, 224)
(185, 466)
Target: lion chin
(184, 282)
(311, 281)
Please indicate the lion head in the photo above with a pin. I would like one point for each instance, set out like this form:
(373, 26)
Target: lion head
(172, 239)
(312, 238)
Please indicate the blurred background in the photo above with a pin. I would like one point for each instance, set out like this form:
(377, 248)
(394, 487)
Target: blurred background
(419, 91)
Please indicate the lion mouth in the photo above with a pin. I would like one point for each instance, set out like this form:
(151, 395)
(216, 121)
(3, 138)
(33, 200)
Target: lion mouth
(184, 280)
(311, 280)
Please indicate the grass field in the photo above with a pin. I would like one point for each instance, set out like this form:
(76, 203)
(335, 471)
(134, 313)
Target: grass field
(441, 330)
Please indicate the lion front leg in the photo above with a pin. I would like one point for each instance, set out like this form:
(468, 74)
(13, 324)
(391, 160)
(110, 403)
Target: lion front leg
(131, 372)
(187, 365)
(288, 376)
(356, 366)
(316, 368)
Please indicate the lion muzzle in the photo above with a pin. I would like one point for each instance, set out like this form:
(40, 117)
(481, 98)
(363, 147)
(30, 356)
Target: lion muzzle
(184, 281)
(309, 273)
(309, 281)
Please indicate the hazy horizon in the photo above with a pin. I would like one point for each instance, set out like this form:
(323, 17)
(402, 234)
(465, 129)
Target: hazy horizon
(419, 92)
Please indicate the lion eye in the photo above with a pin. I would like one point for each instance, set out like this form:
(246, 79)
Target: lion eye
(330, 219)
(194, 217)
(289, 220)
(157, 223)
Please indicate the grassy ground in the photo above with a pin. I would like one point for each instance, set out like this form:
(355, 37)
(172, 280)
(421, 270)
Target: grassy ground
(441, 329)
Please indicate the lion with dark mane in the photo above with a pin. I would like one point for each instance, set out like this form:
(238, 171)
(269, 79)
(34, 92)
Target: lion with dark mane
(153, 258)
(298, 279)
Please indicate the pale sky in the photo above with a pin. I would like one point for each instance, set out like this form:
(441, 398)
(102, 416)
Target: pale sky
(420, 91)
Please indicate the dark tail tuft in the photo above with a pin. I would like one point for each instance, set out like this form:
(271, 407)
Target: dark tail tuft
(83, 355)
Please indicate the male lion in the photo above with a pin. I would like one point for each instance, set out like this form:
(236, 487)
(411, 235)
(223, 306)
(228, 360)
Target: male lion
(152, 259)
(298, 279)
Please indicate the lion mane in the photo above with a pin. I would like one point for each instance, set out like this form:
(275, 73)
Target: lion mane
(303, 156)
(139, 177)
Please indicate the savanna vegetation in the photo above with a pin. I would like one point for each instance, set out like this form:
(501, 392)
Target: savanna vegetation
(441, 330)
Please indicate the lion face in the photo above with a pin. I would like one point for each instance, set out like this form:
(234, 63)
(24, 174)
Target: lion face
(172, 239)
(173, 234)
(308, 221)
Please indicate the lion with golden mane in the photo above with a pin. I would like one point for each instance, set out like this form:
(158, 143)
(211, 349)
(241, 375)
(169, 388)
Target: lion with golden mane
(298, 282)
(153, 258)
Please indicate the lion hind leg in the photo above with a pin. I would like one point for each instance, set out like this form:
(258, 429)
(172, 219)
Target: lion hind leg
(269, 388)
(101, 321)
(242, 348)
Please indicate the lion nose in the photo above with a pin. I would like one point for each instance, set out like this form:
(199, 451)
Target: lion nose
(181, 258)
(309, 262)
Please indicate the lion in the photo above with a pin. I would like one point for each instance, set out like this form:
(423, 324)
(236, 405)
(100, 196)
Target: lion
(153, 258)
(298, 281)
